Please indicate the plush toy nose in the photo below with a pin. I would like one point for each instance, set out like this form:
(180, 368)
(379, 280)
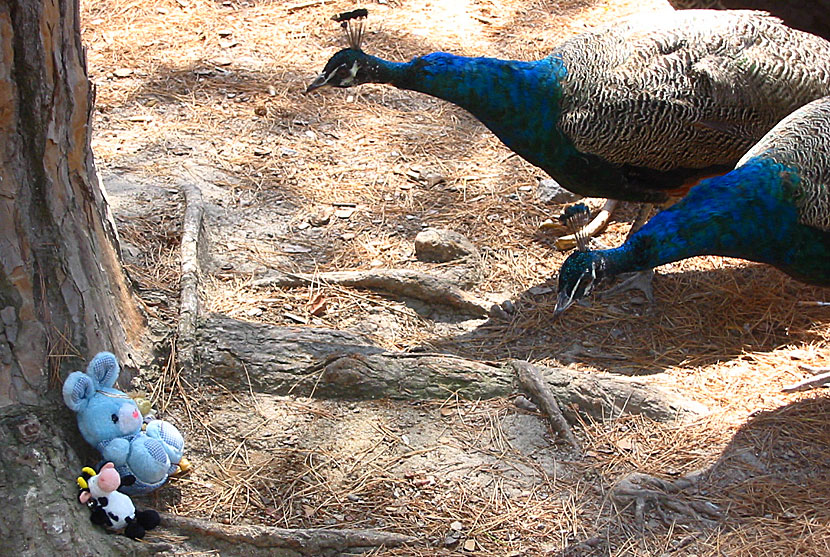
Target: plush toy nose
(135, 414)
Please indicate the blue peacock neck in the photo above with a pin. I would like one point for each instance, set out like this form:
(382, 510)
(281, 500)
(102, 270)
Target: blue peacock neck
(518, 101)
(713, 219)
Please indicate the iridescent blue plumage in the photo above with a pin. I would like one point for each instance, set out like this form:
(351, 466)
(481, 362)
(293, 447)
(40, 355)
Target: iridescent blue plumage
(632, 112)
(773, 208)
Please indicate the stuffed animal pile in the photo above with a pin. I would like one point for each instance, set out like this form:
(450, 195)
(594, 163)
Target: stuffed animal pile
(111, 508)
(111, 422)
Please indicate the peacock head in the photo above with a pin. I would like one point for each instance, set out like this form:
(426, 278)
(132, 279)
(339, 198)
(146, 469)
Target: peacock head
(347, 68)
(351, 66)
(577, 277)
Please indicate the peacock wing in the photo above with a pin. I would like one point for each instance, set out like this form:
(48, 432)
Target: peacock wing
(687, 89)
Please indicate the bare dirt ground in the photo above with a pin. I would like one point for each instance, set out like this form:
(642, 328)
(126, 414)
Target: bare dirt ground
(211, 93)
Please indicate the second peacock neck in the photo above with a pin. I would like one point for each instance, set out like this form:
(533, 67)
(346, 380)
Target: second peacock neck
(518, 101)
(749, 213)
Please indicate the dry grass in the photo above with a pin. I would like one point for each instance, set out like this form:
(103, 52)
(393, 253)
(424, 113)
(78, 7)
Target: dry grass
(221, 83)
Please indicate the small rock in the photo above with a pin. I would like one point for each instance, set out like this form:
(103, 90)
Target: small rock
(470, 545)
(451, 539)
(441, 245)
(123, 72)
(288, 152)
(230, 43)
(456, 526)
(508, 306)
(225, 32)
(222, 61)
(344, 212)
(254, 312)
(524, 404)
(321, 218)
(539, 290)
(496, 312)
(261, 110)
(272, 91)
(293, 248)
(262, 151)
(549, 191)
(432, 178)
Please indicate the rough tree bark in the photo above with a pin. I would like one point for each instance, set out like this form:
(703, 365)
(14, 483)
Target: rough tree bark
(62, 287)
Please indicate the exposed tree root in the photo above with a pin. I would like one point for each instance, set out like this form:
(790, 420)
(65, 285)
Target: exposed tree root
(192, 239)
(400, 282)
(644, 491)
(306, 541)
(532, 383)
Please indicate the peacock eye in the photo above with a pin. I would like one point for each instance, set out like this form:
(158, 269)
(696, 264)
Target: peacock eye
(114, 418)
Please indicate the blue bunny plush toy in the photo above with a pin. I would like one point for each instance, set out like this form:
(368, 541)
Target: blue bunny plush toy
(111, 422)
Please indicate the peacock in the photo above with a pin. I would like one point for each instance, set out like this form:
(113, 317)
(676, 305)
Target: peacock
(639, 111)
(773, 208)
(812, 16)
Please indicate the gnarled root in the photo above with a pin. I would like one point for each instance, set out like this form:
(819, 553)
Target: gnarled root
(665, 497)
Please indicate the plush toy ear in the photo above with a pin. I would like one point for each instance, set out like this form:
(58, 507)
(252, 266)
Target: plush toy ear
(78, 389)
(104, 369)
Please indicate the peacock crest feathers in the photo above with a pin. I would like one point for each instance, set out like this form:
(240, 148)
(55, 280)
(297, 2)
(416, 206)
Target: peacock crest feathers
(353, 24)
(576, 217)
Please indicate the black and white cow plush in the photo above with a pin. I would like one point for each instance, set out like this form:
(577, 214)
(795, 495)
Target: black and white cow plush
(110, 507)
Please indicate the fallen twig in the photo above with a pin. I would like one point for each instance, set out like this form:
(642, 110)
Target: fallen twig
(401, 282)
(821, 379)
(308, 541)
(531, 381)
(303, 5)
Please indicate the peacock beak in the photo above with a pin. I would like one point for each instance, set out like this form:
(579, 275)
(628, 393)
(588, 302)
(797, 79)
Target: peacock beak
(321, 81)
(563, 302)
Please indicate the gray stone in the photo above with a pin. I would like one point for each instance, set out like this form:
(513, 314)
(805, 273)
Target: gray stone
(549, 191)
(441, 245)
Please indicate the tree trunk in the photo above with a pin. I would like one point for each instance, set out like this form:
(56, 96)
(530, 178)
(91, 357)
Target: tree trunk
(62, 287)
(63, 293)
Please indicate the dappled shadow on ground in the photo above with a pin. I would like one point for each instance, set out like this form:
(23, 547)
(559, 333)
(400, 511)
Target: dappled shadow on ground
(773, 481)
(699, 317)
(778, 464)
